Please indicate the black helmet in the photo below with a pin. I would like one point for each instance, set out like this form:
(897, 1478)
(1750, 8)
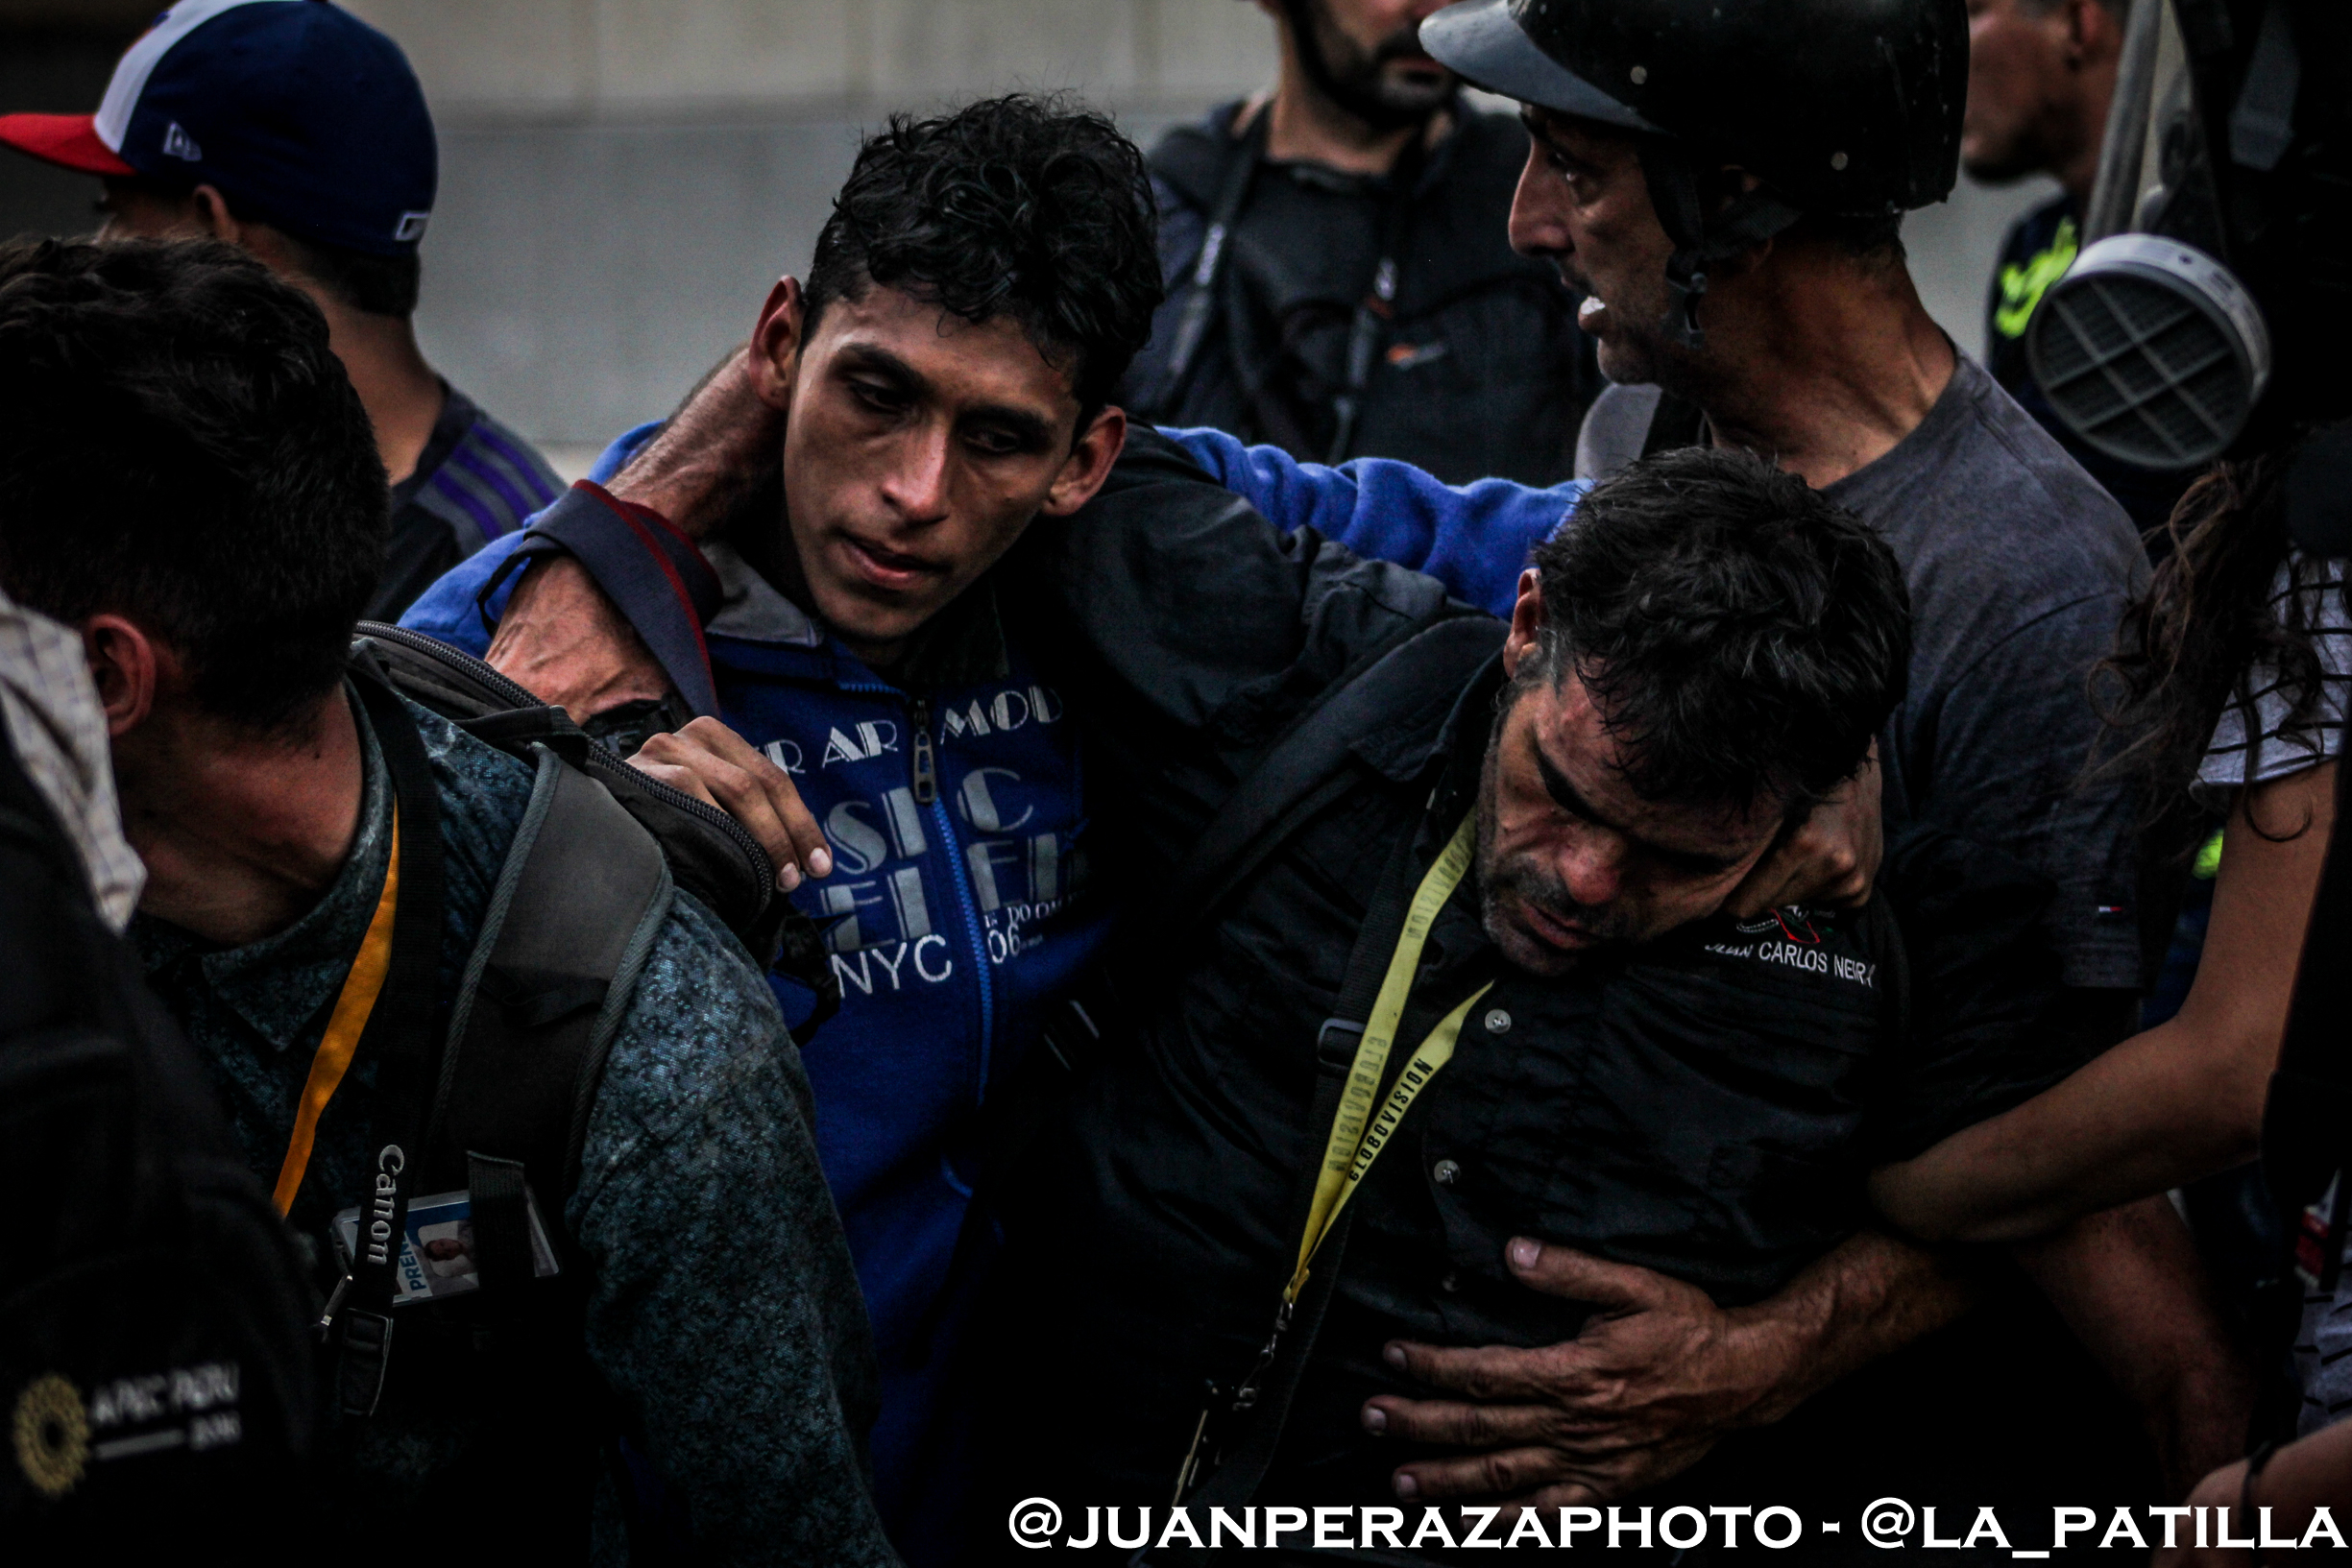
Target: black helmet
(1844, 108)
(1841, 106)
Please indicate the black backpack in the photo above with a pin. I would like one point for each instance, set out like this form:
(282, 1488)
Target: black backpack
(156, 1363)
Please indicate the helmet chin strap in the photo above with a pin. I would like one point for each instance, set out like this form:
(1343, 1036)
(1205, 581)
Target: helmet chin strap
(1700, 240)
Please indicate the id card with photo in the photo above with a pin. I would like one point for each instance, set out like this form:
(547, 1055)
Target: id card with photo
(437, 1255)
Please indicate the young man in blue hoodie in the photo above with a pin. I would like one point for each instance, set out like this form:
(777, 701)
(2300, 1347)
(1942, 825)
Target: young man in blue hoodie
(861, 649)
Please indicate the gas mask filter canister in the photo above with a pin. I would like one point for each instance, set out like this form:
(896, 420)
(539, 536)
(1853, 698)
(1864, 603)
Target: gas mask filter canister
(2150, 350)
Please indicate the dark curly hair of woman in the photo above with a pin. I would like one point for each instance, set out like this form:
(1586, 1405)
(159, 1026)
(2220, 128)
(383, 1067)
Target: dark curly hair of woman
(2192, 644)
(1020, 206)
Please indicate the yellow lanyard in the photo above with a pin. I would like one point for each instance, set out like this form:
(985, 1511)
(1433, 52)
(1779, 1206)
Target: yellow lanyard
(344, 1027)
(1357, 1136)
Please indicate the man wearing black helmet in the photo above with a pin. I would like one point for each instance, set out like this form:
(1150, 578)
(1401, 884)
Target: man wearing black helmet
(1732, 223)
(1726, 191)
(1726, 188)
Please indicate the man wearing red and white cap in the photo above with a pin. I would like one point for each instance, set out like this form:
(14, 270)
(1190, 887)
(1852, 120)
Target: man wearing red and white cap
(295, 131)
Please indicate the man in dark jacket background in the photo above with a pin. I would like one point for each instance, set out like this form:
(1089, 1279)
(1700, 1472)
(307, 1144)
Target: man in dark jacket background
(1339, 283)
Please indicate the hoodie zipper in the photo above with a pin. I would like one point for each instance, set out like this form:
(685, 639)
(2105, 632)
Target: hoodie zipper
(922, 778)
(918, 749)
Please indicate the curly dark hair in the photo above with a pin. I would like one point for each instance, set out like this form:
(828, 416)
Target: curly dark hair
(2192, 644)
(1742, 635)
(179, 446)
(1021, 207)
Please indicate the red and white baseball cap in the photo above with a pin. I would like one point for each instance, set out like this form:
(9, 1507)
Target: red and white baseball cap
(298, 111)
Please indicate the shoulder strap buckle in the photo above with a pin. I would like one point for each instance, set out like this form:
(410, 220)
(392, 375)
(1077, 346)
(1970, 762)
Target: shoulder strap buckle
(1335, 1043)
(367, 1356)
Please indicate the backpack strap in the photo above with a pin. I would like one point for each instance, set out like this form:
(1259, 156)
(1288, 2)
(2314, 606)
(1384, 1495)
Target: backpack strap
(570, 921)
(1674, 424)
(1305, 770)
(1261, 1406)
(1299, 775)
(578, 904)
(711, 855)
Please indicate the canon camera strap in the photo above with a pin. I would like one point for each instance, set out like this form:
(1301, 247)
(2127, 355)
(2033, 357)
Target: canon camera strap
(399, 1038)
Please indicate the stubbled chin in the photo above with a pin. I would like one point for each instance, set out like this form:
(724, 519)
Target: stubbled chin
(1624, 363)
(1525, 951)
(867, 616)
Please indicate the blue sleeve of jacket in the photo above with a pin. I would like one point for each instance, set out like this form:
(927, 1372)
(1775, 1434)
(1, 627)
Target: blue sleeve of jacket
(1472, 538)
(615, 457)
(450, 610)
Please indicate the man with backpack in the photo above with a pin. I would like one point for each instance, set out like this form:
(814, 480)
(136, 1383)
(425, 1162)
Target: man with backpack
(547, 1151)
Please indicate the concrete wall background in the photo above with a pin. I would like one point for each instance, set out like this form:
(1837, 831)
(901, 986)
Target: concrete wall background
(622, 178)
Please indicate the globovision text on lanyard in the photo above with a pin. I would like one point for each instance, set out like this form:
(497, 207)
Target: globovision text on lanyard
(1358, 1134)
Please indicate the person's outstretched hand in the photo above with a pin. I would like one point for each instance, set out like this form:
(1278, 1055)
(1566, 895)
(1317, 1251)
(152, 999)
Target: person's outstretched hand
(564, 642)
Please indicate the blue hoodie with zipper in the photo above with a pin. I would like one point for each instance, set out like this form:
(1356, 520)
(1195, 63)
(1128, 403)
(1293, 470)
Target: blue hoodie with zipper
(954, 802)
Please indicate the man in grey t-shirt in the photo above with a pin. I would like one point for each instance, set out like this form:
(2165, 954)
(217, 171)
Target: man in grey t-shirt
(2018, 564)
(1732, 223)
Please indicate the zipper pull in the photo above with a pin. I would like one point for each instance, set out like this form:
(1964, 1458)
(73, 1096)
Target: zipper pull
(926, 775)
